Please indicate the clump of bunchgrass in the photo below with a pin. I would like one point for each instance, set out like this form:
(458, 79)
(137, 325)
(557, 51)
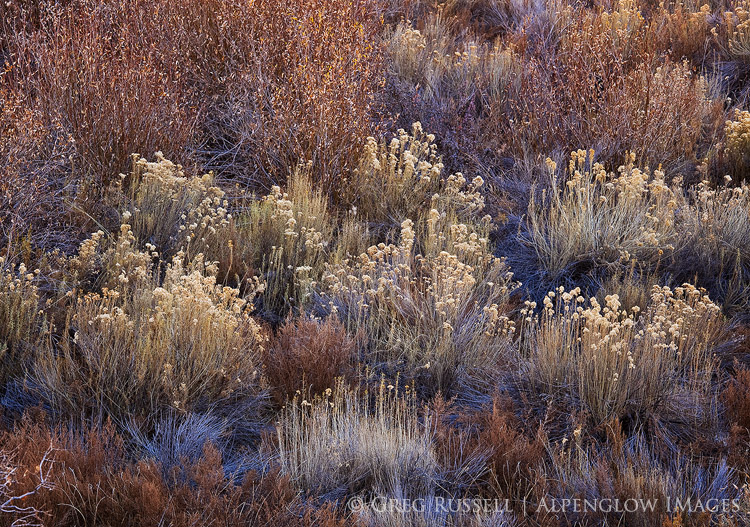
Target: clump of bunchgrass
(343, 443)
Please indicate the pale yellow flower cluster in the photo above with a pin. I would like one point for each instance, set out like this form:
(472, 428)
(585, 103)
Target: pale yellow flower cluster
(738, 28)
(737, 133)
(401, 179)
(444, 305)
(619, 361)
(603, 217)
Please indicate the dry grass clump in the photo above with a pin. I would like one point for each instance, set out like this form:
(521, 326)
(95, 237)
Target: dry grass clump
(437, 315)
(144, 346)
(342, 443)
(668, 489)
(308, 355)
(652, 365)
(601, 219)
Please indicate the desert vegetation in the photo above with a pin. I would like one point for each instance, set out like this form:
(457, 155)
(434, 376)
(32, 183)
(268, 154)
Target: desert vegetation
(375, 263)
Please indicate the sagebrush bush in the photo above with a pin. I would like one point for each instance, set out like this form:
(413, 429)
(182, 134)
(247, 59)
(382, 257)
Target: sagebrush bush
(599, 219)
(21, 320)
(404, 178)
(716, 229)
(172, 212)
(737, 133)
(438, 316)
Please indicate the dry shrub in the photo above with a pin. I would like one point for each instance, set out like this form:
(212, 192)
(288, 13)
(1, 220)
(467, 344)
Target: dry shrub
(448, 83)
(487, 452)
(89, 481)
(173, 212)
(716, 228)
(737, 140)
(684, 32)
(304, 94)
(736, 399)
(291, 235)
(32, 189)
(342, 443)
(200, 81)
(308, 355)
(437, 316)
(514, 458)
(653, 367)
(737, 28)
(432, 307)
(404, 178)
(286, 237)
(145, 346)
(89, 66)
(492, 18)
(607, 90)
